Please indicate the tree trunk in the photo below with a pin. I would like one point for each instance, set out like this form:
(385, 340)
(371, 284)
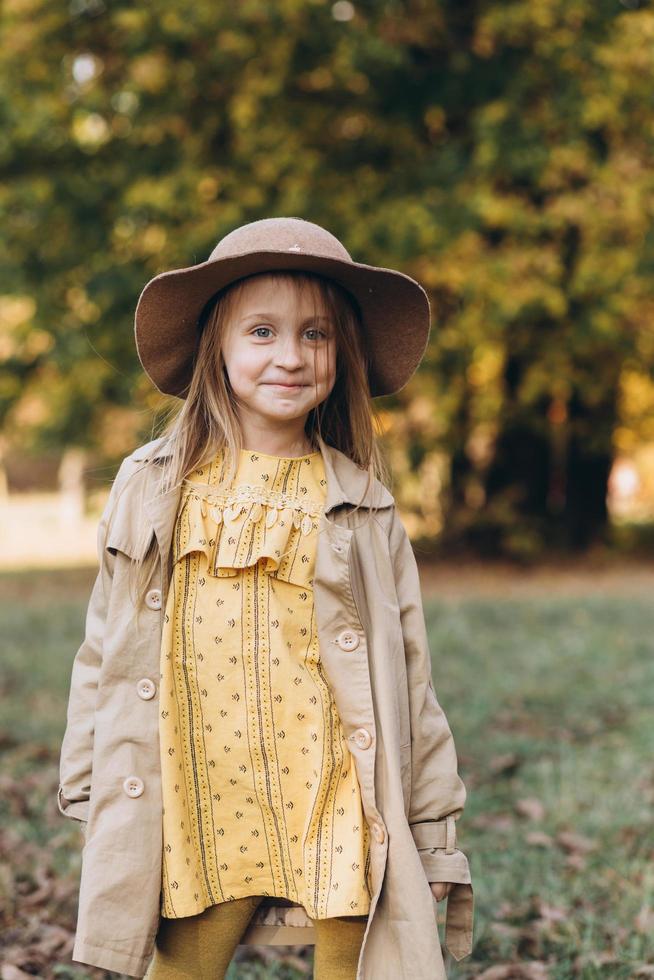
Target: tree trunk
(71, 487)
(588, 466)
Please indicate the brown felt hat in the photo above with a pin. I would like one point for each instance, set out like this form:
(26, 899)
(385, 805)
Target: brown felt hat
(394, 308)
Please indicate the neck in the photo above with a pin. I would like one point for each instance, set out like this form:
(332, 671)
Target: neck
(288, 440)
(276, 448)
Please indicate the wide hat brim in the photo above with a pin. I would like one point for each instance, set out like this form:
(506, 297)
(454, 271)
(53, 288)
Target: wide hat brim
(394, 308)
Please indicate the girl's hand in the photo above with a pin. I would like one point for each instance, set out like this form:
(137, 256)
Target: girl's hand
(440, 889)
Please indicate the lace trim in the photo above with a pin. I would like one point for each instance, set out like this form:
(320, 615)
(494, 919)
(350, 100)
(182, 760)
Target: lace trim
(253, 502)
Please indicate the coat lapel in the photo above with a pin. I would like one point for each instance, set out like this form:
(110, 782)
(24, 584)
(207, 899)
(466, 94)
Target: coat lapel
(162, 511)
(347, 483)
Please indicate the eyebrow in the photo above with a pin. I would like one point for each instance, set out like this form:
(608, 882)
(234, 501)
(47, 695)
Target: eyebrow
(271, 316)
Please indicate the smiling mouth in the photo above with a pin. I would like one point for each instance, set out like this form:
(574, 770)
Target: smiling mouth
(274, 384)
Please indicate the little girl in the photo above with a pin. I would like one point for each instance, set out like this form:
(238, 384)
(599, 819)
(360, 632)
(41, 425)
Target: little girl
(297, 779)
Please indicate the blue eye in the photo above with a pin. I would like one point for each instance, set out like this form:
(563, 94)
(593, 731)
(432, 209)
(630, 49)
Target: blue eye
(321, 334)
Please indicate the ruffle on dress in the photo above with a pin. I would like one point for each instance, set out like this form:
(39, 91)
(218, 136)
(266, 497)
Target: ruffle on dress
(245, 525)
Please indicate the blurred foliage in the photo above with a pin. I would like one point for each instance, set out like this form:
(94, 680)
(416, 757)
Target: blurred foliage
(499, 152)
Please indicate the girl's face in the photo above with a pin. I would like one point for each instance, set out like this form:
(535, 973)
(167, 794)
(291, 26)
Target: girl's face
(279, 357)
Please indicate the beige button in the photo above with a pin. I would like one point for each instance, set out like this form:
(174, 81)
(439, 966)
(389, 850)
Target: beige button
(146, 689)
(348, 640)
(133, 786)
(153, 599)
(362, 738)
(378, 832)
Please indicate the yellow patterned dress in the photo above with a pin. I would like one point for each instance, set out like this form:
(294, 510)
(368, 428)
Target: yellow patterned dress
(260, 792)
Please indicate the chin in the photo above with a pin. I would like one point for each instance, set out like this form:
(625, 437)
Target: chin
(277, 412)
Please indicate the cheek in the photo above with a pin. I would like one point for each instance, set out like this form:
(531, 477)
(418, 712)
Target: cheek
(242, 366)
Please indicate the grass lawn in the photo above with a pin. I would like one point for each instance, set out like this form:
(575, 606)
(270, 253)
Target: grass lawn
(550, 701)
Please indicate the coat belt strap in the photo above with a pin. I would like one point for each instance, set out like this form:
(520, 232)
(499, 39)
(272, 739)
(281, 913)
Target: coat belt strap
(434, 834)
(458, 921)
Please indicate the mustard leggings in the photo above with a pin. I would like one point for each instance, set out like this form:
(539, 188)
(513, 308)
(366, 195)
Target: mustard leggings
(201, 947)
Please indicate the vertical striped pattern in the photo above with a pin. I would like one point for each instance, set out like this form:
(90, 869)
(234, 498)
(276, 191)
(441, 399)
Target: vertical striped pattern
(259, 788)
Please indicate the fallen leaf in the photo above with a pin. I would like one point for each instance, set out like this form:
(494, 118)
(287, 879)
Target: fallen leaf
(531, 808)
(516, 971)
(644, 921)
(502, 765)
(10, 972)
(538, 838)
(573, 842)
(575, 861)
(552, 913)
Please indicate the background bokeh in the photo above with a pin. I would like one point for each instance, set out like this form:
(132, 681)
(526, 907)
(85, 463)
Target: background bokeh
(502, 154)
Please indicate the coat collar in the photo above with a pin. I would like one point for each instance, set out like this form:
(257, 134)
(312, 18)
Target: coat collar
(346, 482)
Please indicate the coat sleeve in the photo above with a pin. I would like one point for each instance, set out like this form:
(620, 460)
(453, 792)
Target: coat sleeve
(437, 791)
(75, 761)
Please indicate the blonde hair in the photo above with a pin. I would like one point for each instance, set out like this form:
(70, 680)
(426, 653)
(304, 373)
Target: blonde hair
(207, 419)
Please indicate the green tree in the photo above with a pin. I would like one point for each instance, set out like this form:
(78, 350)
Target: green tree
(498, 152)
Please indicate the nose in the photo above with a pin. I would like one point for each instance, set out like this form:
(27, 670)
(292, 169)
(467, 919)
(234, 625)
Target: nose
(288, 353)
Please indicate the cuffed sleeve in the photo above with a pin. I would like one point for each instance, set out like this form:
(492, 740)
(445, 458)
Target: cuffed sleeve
(440, 866)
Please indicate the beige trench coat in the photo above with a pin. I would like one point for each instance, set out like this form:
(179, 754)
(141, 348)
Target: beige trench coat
(365, 582)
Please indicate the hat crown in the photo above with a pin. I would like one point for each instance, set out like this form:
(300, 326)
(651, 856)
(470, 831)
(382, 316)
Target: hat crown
(281, 235)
